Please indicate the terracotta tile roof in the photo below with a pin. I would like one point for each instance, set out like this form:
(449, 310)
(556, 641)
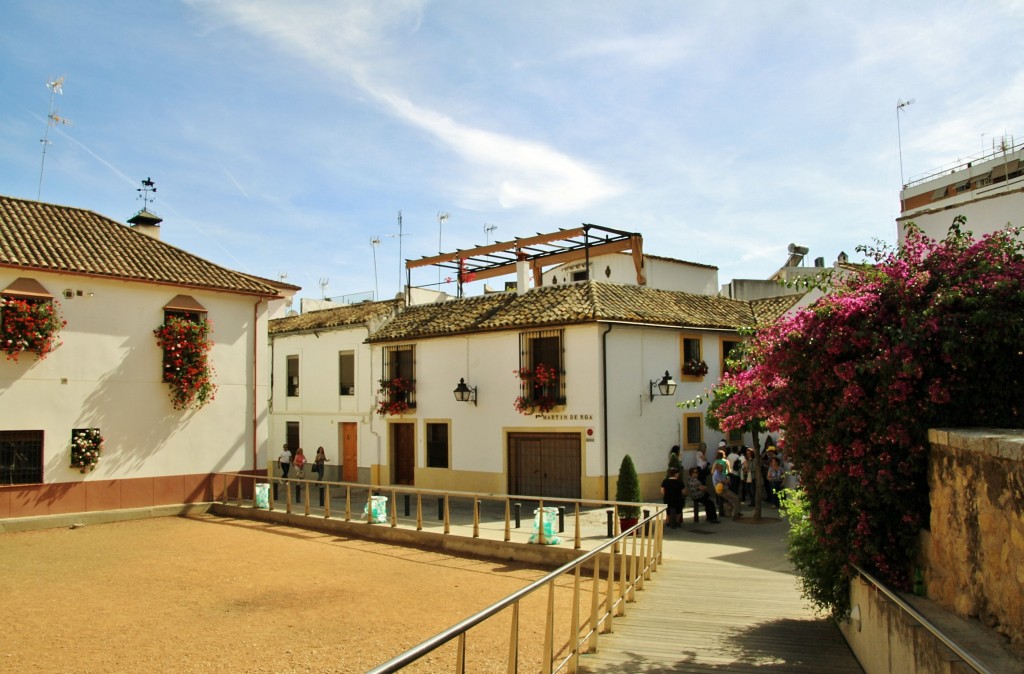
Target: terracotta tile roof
(768, 309)
(443, 318)
(567, 304)
(48, 237)
(349, 314)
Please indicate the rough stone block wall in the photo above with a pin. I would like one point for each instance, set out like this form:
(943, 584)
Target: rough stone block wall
(975, 551)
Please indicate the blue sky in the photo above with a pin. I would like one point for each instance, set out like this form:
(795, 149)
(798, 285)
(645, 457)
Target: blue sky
(284, 136)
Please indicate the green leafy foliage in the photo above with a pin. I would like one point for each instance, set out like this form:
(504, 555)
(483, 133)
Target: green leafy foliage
(627, 488)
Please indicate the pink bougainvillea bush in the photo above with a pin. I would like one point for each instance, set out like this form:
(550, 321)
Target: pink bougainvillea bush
(931, 334)
(186, 365)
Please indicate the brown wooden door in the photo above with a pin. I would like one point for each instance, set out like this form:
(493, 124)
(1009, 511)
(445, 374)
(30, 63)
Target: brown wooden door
(403, 453)
(544, 464)
(349, 452)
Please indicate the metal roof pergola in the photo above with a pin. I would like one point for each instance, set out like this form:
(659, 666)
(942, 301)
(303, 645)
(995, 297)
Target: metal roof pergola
(542, 250)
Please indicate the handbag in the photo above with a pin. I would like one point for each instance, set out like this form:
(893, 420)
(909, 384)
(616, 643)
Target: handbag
(719, 488)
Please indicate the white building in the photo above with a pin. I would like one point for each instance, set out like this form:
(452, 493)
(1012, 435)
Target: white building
(114, 285)
(609, 345)
(324, 392)
(987, 189)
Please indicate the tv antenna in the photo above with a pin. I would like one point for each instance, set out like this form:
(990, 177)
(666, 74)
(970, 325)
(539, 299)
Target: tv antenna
(399, 237)
(488, 228)
(901, 105)
(147, 193)
(52, 119)
(374, 242)
(323, 283)
(442, 217)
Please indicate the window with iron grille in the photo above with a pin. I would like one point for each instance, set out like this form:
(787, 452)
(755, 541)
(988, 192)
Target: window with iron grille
(21, 457)
(398, 385)
(541, 353)
(693, 425)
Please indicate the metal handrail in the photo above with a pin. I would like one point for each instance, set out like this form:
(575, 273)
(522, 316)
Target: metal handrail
(960, 164)
(968, 659)
(459, 629)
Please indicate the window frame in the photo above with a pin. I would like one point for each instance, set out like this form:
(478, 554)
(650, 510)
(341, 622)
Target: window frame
(683, 354)
(8, 440)
(688, 441)
(723, 352)
(398, 361)
(291, 377)
(344, 384)
(430, 448)
(533, 352)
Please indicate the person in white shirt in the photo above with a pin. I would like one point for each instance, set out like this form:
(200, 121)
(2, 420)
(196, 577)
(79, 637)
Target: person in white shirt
(285, 460)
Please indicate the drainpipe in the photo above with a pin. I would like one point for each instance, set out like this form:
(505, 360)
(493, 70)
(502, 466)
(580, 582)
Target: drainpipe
(604, 403)
(255, 381)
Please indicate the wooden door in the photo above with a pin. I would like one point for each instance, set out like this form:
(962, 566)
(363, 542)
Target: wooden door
(545, 464)
(349, 452)
(403, 454)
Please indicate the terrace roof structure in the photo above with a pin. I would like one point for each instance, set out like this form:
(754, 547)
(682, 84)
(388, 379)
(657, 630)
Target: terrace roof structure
(543, 250)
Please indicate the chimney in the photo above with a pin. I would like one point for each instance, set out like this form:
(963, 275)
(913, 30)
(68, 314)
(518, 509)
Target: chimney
(146, 223)
(521, 273)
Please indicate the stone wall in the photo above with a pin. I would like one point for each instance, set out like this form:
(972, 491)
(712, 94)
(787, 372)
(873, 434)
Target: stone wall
(974, 554)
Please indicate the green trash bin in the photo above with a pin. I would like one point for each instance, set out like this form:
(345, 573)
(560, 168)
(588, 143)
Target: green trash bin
(378, 507)
(263, 496)
(550, 524)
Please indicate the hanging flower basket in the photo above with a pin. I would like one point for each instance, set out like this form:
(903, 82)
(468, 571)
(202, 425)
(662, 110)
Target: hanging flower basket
(695, 368)
(538, 384)
(86, 448)
(29, 325)
(186, 366)
(395, 395)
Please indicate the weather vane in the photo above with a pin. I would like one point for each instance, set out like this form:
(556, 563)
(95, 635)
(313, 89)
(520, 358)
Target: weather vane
(145, 193)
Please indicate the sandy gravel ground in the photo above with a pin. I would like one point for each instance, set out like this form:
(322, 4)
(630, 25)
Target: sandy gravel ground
(212, 594)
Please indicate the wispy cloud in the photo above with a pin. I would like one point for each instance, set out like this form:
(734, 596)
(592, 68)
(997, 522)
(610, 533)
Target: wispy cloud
(346, 41)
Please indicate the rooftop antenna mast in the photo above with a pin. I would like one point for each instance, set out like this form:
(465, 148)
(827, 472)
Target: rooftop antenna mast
(52, 119)
(323, 283)
(442, 217)
(374, 242)
(901, 105)
(488, 228)
(399, 237)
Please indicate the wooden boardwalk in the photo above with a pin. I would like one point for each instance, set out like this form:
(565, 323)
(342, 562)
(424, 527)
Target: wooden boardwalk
(724, 600)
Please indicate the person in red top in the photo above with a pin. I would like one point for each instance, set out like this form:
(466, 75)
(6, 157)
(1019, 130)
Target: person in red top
(300, 462)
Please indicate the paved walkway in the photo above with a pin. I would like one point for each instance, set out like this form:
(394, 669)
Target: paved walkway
(724, 600)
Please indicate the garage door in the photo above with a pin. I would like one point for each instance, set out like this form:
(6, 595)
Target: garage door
(544, 464)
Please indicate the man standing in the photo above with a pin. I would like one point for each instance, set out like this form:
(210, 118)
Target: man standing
(735, 469)
(285, 460)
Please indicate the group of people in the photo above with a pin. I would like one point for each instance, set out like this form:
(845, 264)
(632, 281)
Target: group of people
(724, 484)
(287, 460)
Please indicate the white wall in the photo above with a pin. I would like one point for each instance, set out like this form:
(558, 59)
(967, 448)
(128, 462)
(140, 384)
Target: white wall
(319, 408)
(984, 215)
(661, 274)
(107, 374)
